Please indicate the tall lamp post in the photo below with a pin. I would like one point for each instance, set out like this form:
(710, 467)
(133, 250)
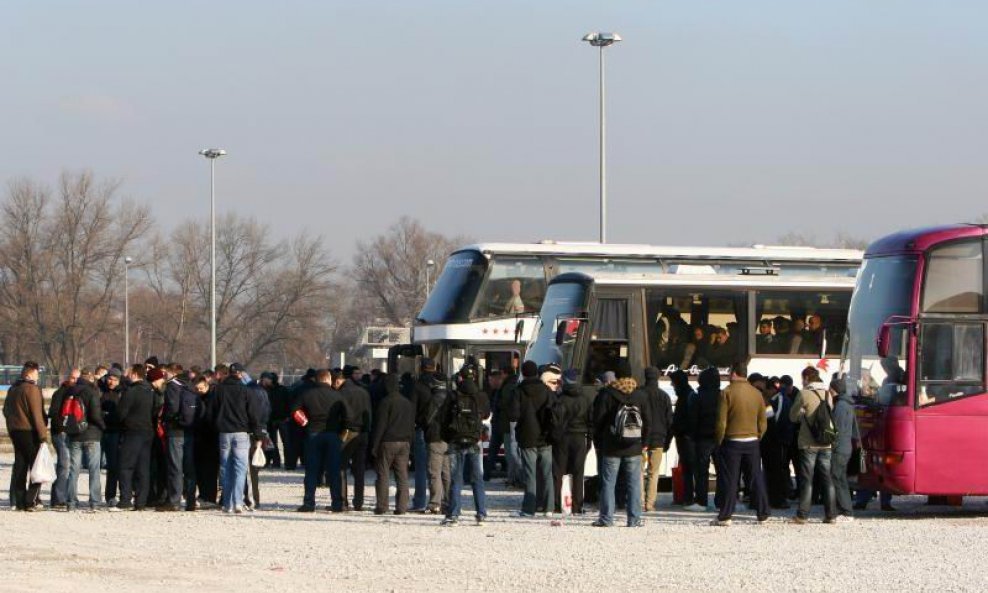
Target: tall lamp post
(126, 359)
(429, 264)
(601, 40)
(212, 154)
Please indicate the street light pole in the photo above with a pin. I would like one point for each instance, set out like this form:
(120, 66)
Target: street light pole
(600, 41)
(126, 359)
(212, 154)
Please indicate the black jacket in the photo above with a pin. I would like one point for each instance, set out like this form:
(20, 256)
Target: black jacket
(136, 408)
(359, 406)
(89, 395)
(658, 411)
(578, 403)
(531, 402)
(503, 403)
(325, 408)
(55, 408)
(609, 400)
(280, 400)
(703, 416)
(108, 402)
(233, 408)
(432, 427)
(173, 400)
(395, 419)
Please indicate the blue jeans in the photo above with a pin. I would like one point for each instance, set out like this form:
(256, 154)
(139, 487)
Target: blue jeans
(459, 457)
(92, 458)
(512, 456)
(536, 466)
(631, 467)
(815, 461)
(421, 453)
(323, 456)
(234, 448)
(62, 462)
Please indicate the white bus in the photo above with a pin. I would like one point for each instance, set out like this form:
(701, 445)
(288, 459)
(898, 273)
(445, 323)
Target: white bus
(487, 301)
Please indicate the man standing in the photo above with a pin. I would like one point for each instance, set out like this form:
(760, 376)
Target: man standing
(430, 411)
(23, 409)
(110, 398)
(847, 437)
(569, 453)
(814, 456)
(740, 425)
(619, 417)
(494, 382)
(86, 443)
(419, 396)
(657, 433)
(236, 419)
(280, 404)
(60, 440)
(136, 420)
(462, 427)
(394, 430)
(775, 449)
(531, 403)
(178, 420)
(323, 414)
(359, 424)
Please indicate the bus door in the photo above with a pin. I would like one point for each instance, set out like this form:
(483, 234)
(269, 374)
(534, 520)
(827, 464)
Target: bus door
(405, 358)
(951, 421)
(615, 333)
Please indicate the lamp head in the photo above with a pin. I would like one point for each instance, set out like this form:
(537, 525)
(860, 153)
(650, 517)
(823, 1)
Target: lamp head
(212, 153)
(601, 39)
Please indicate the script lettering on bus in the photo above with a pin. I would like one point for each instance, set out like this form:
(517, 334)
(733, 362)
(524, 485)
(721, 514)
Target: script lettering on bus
(693, 371)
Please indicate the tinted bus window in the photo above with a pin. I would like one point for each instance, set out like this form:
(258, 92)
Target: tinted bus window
(952, 359)
(514, 285)
(954, 279)
(688, 328)
(800, 323)
(456, 289)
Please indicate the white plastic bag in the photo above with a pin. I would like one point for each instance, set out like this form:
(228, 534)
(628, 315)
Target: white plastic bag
(43, 468)
(258, 459)
(566, 494)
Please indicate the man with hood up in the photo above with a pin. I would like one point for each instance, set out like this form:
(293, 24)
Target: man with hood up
(847, 434)
(657, 434)
(394, 430)
(530, 404)
(702, 425)
(619, 417)
(569, 452)
(462, 426)
(685, 402)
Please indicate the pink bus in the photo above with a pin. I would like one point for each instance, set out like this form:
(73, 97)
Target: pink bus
(914, 358)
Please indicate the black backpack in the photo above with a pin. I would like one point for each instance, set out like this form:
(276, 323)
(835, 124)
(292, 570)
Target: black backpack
(821, 423)
(436, 399)
(464, 426)
(627, 427)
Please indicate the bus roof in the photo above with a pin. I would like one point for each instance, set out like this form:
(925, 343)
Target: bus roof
(921, 239)
(754, 253)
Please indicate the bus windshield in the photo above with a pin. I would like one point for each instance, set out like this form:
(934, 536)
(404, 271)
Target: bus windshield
(456, 290)
(884, 289)
(562, 300)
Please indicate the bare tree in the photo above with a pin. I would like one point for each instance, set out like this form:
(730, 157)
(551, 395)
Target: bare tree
(61, 261)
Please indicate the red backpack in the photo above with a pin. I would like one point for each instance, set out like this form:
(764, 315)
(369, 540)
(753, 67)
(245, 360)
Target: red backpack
(72, 416)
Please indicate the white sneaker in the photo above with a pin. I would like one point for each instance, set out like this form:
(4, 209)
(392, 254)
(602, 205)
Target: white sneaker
(695, 508)
(843, 519)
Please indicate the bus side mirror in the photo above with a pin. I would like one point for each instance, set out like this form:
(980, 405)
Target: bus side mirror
(884, 339)
(567, 328)
(519, 325)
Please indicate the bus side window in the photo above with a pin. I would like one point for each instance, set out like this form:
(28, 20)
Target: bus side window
(952, 361)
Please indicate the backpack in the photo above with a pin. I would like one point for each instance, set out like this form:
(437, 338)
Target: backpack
(821, 423)
(72, 416)
(464, 421)
(627, 427)
(436, 400)
(188, 408)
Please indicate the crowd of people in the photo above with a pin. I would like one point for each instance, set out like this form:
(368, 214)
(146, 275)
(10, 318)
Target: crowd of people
(174, 439)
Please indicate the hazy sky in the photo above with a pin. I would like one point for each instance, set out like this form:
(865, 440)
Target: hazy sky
(728, 121)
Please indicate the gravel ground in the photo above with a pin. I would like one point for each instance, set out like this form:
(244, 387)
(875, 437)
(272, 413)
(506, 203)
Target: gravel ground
(919, 548)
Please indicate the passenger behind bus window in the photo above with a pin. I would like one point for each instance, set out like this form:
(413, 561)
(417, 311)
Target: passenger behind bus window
(892, 392)
(720, 354)
(796, 335)
(765, 341)
(783, 338)
(813, 336)
(672, 337)
(514, 305)
(695, 353)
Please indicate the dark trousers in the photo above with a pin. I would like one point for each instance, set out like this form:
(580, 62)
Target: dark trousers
(735, 457)
(175, 468)
(704, 451)
(686, 448)
(295, 440)
(189, 468)
(135, 468)
(568, 458)
(252, 489)
(273, 455)
(355, 459)
(323, 456)
(26, 444)
(207, 460)
(392, 458)
(842, 489)
(158, 490)
(493, 451)
(111, 450)
(775, 457)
